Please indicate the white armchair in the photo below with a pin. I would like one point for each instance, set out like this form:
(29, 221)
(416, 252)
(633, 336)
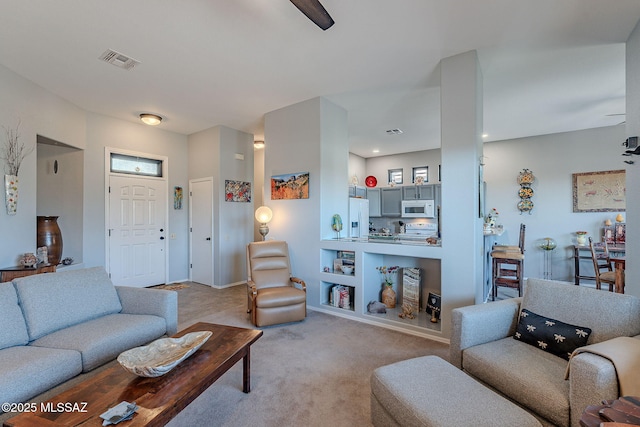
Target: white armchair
(482, 344)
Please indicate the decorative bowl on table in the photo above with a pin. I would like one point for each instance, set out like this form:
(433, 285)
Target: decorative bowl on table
(162, 355)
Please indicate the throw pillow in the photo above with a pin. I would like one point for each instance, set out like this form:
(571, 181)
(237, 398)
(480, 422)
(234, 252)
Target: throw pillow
(550, 335)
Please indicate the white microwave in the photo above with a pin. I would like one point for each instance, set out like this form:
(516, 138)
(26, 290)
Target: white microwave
(417, 209)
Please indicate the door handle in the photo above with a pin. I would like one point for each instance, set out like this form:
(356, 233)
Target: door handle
(161, 237)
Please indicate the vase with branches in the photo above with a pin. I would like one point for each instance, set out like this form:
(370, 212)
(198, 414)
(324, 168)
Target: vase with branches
(13, 152)
(388, 294)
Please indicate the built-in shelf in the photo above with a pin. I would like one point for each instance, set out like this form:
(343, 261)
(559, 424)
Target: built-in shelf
(365, 284)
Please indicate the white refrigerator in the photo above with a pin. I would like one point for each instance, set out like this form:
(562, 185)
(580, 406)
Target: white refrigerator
(358, 217)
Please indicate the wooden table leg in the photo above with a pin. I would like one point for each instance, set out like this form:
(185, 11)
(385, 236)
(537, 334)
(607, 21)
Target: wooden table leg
(246, 371)
(619, 280)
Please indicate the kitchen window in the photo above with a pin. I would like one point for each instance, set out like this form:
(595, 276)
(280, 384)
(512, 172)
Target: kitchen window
(420, 171)
(395, 176)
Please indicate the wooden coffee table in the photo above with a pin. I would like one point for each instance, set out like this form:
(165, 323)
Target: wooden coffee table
(159, 399)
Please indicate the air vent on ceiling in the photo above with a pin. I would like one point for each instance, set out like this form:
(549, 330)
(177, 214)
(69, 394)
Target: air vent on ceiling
(118, 59)
(394, 131)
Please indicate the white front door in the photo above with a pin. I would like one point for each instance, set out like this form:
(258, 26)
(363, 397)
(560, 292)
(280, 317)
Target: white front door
(137, 231)
(201, 211)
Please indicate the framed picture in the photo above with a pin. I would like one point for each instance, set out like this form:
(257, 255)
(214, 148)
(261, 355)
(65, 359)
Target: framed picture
(599, 191)
(290, 186)
(237, 191)
(177, 197)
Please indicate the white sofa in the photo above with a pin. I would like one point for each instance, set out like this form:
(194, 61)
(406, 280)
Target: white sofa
(482, 344)
(58, 325)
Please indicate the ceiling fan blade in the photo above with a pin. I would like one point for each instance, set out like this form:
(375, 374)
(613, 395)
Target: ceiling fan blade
(314, 11)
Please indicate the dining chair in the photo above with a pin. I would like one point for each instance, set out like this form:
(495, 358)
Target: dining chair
(602, 266)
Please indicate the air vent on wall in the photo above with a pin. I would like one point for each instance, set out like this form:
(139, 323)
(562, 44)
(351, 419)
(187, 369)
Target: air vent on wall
(118, 59)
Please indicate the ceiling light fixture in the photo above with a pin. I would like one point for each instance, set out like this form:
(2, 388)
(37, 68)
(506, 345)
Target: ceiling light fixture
(258, 144)
(485, 135)
(375, 150)
(150, 119)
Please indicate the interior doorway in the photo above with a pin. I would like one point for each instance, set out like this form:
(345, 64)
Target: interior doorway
(60, 189)
(201, 231)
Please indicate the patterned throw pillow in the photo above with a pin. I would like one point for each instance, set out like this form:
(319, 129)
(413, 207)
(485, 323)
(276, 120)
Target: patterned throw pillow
(550, 335)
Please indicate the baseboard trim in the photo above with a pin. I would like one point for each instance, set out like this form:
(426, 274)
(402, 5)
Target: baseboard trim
(381, 325)
(228, 285)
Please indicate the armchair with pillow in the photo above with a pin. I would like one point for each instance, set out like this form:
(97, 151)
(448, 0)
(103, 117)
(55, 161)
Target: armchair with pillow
(521, 346)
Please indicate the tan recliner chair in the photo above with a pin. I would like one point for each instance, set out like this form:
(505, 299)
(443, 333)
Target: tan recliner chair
(273, 295)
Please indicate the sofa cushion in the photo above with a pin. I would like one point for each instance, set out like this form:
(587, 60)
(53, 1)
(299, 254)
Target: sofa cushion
(13, 330)
(550, 335)
(28, 371)
(54, 301)
(103, 339)
(529, 376)
(608, 315)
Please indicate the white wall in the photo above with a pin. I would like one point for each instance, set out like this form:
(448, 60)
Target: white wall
(310, 136)
(358, 168)
(259, 188)
(633, 171)
(40, 113)
(104, 132)
(379, 166)
(462, 241)
(212, 153)
(552, 159)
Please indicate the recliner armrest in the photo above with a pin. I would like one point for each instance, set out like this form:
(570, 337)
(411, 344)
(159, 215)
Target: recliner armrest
(158, 302)
(300, 282)
(478, 324)
(251, 288)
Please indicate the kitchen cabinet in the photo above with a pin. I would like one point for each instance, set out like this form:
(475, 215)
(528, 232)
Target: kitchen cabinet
(418, 192)
(357, 191)
(373, 195)
(391, 201)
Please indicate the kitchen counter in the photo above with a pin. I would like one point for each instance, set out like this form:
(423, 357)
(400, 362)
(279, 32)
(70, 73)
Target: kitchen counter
(396, 239)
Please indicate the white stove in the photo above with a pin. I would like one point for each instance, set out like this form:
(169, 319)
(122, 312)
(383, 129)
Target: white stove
(419, 230)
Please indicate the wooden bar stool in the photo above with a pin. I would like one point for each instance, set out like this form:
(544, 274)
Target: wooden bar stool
(508, 266)
(602, 266)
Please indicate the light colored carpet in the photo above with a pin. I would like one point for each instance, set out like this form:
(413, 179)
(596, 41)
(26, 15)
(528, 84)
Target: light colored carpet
(312, 373)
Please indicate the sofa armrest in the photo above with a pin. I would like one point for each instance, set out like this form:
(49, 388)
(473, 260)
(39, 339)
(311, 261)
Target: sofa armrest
(158, 302)
(592, 379)
(479, 324)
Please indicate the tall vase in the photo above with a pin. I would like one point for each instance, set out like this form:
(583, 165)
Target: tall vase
(49, 235)
(388, 296)
(11, 193)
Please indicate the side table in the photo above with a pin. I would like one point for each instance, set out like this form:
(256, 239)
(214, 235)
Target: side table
(7, 274)
(622, 411)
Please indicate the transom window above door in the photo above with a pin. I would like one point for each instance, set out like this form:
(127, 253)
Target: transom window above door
(133, 165)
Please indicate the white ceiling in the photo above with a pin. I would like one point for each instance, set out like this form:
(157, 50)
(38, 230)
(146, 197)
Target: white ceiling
(548, 66)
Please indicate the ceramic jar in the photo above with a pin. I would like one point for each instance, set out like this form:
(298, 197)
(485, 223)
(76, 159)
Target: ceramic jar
(388, 296)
